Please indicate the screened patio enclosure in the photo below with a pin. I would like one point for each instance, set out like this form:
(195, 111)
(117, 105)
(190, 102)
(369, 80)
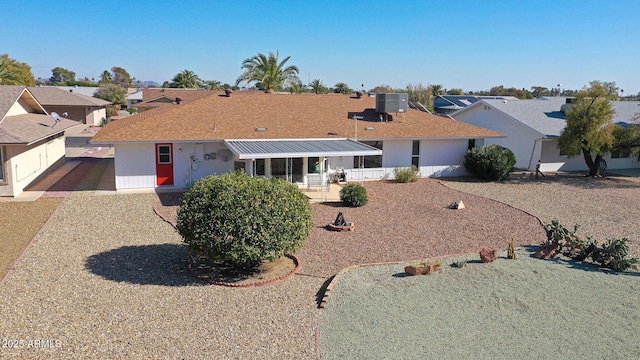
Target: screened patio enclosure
(303, 162)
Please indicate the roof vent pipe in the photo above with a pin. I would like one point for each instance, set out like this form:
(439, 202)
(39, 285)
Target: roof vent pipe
(358, 94)
(228, 92)
(178, 100)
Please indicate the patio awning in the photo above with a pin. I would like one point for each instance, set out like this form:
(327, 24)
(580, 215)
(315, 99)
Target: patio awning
(265, 149)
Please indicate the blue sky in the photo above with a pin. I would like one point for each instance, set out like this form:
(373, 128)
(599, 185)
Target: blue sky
(472, 45)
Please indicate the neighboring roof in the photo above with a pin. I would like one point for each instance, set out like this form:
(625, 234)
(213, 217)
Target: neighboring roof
(9, 94)
(265, 149)
(86, 90)
(290, 116)
(53, 96)
(457, 102)
(544, 116)
(626, 111)
(30, 128)
(149, 94)
(541, 115)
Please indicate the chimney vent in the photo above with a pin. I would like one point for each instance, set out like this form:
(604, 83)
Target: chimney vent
(178, 100)
(228, 92)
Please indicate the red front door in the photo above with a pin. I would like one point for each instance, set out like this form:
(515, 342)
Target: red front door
(164, 164)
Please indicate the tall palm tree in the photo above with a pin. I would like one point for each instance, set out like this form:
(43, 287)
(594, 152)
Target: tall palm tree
(186, 79)
(268, 71)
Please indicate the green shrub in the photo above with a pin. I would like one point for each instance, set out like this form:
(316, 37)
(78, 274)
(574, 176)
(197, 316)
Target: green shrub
(354, 195)
(490, 162)
(242, 219)
(406, 174)
(132, 110)
(105, 120)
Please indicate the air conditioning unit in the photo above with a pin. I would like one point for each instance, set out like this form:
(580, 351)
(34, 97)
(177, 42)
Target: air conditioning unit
(392, 103)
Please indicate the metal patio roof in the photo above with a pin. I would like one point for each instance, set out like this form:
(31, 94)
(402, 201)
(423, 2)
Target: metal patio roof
(264, 149)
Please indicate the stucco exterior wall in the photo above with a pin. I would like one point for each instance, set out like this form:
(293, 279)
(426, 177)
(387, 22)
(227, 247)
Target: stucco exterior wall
(25, 164)
(520, 139)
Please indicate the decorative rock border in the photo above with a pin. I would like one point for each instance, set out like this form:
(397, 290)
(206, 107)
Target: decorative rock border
(259, 283)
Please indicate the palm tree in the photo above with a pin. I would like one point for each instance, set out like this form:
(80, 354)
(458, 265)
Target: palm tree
(437, 89)
(317, 86)
(342, 88)
(106, 77)
(212, 85)
(187, 79)
(268, 71)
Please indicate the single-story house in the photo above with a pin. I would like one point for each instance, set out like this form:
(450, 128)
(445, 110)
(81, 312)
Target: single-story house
(533, 128)
(303, 138)
(152, 98)
(75, 106)
(31, 140)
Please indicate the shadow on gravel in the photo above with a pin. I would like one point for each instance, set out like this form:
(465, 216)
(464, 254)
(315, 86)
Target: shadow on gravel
(580, 265)
(163, 264)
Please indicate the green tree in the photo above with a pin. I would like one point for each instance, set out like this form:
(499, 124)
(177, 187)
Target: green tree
(455, 91)
(212, 85)
(317, 87)
(342, 88)
(121, 77)
(540, 91)
(186, 79)
(62, 75)
(13, 72)
(382, 89)
(268, 71)
(589, 126)
(627, 138)
(113, 93)
(437, 89)
(106, 78)
(421, 94)
(297, 87)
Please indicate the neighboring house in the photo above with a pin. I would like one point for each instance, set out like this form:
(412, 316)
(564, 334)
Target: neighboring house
(86, 109)
(298, 137)
(447, 104)
(533, 128)
(31, 141)
(159, 97)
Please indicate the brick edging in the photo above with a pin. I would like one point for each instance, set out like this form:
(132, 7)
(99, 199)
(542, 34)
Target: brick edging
(259, 283)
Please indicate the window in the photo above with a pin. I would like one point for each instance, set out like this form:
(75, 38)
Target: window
(620, 154)
(370, 161)
(313, 165)
(164, 154)
(415, 153)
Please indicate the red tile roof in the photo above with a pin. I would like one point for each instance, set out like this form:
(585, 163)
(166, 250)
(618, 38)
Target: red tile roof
(286, 116)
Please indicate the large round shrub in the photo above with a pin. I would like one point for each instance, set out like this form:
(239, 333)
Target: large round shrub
(242, 219)
(354, 195)
(490, 162)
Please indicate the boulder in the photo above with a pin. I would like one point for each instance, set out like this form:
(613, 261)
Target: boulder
(487, 256)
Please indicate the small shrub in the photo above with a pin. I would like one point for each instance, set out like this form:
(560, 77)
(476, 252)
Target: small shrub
(241, 219)
(354, 195)
(132, 110)
(406, 174)
(490, 162)
(105, 121)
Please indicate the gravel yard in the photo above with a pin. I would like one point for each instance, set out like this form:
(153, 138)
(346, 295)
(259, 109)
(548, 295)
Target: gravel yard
(603, 208)
(106, 278)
